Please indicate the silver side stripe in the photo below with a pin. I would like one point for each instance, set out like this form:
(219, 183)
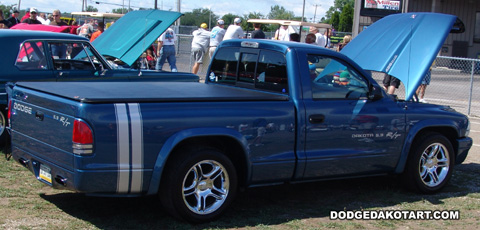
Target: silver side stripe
(129, 148)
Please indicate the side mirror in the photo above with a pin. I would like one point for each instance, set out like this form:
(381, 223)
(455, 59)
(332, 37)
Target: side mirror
(375, 93)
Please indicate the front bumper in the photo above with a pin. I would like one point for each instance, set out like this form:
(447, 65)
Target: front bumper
(463, 146)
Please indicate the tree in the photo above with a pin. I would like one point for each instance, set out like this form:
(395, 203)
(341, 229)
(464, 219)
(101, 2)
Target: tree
(91, 9)
(340, 15)
(279, 12)
(121, 10)
(199, 16)
(335, 20)
(251, 15)
(228, 19)
(346, 19)
(7, 10)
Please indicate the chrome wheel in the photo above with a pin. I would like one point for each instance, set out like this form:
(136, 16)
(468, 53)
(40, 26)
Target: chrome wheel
(205, 187)
(434, 164)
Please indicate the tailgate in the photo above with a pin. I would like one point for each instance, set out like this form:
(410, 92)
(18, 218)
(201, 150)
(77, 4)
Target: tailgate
(42, 125)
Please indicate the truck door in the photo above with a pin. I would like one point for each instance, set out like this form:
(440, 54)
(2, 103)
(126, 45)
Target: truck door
(347, 134)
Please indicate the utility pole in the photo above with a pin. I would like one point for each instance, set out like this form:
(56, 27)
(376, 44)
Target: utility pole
(315, 15)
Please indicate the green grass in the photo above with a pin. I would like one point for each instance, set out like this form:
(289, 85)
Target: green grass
(29, 204)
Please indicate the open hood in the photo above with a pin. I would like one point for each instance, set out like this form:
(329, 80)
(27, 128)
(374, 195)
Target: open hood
(402, 45)
(133, 33)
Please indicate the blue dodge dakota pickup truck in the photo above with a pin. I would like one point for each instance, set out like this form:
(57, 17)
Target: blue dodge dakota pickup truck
(270, 112)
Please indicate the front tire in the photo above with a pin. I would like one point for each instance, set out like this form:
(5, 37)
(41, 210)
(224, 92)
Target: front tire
(198, 184)
(430, 164)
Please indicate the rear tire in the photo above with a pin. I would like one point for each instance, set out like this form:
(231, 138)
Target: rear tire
(430, 163)
(198, 184)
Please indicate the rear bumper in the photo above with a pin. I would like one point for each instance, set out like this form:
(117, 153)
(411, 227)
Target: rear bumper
(94, 182)
(463, 146)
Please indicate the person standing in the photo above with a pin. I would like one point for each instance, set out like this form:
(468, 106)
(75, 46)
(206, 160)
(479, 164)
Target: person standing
(166, 50)
(100, 29)
(216, 36)
(14, 18)
(4, 24)
(86, 30)
(390, 83)
(258, 33)
(310, 39)
(282, 33)
(320, 39)
(345, 41)
(425, 82)
(43, 19)
(33, 17)
(57, 21)
(200, 42)
(234, 31)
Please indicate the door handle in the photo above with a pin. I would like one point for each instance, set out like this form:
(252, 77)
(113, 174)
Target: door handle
(316, 118)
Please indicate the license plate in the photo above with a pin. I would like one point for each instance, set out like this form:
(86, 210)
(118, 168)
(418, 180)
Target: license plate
(45, 173)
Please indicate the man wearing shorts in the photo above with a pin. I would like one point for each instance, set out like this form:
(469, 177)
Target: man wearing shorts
(390, 83)
(200, 43)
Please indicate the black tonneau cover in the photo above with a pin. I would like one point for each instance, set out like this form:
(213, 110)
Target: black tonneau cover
(118, 92)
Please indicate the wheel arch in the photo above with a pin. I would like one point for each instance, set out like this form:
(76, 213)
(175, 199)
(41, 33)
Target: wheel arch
(230, 142)
(446, 129)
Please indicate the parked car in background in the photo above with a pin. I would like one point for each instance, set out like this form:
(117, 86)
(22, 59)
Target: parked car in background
(47, 56)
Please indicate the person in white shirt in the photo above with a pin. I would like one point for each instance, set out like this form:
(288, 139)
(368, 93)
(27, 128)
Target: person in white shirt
(282, 33)
(216, 36)
(166, 50)
(234, 31)
(321, 40)
(200, 42)
(43, 19)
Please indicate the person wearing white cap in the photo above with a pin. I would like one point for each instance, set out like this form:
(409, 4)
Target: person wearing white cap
(216, 36)
(33, 17)
(234, 31)
(200, 42)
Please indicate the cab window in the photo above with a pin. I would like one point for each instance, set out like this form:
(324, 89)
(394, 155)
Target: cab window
(259, 69)
(331, 79)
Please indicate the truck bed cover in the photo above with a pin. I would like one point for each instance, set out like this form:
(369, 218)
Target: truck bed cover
(125, 92)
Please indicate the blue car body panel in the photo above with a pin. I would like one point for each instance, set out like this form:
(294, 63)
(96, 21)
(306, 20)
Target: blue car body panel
(402, 45)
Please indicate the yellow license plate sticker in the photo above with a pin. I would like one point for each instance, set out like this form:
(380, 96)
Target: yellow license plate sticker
(45, 173)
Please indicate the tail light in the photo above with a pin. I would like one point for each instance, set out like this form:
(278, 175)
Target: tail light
(9, 114)
(82, 138)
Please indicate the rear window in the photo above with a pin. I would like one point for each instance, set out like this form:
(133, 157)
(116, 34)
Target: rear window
(259, 69)
(31, 56)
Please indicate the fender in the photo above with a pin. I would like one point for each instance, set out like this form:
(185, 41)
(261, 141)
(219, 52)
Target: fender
(177, 138)
(415, 128)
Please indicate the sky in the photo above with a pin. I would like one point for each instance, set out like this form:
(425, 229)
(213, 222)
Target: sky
(313, 8)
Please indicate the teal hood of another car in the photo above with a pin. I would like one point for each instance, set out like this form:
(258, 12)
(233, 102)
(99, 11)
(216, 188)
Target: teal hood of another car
(402, 45)
(133, 33)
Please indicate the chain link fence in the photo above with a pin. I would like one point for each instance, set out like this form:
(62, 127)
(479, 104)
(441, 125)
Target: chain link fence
(452, 83)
